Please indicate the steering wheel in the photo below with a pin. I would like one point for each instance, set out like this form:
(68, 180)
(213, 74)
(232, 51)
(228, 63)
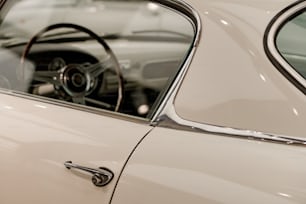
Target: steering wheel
(78, 80)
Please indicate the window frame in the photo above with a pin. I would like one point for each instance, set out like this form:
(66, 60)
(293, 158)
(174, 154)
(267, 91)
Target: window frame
(273, 52)
(178, 6)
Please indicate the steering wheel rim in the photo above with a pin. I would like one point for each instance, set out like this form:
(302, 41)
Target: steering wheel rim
(100, 40)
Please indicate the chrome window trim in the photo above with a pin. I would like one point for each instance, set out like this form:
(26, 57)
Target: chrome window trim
(170, 119)
(166, 115)
(271, 48)
(181, 6)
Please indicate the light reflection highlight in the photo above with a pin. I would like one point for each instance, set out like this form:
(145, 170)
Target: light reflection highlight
(252, 53)
(224, 22)
(295, 111)
(263, 77)
(285, 195)
(8, 107)
(92, 10)
(40, 106)
(152, 6)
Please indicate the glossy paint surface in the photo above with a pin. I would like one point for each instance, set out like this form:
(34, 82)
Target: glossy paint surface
(174, 166)
(37, 138)
(231, 81)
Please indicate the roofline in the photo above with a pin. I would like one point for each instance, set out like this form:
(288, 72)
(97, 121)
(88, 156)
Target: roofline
(167, 117)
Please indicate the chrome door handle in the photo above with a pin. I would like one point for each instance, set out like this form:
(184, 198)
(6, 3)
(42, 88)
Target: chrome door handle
(100, 176)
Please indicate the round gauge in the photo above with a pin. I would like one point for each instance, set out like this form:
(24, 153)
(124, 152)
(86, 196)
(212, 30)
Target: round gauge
(56, 64)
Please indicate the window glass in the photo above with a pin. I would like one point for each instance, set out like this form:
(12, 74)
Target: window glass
(109, 54)
(291, 43)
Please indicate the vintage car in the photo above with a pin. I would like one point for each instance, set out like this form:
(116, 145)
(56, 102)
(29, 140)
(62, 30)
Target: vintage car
(163, 101)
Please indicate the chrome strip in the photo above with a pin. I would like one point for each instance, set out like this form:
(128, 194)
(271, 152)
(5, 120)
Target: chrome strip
(271, 36)
(198, 30)
(166, 115)
(170, 119)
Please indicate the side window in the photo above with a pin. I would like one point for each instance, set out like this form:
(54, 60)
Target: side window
(109, 54)
(291, 43)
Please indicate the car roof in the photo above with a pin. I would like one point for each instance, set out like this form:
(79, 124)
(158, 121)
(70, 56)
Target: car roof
(257, 14)
(245, 10)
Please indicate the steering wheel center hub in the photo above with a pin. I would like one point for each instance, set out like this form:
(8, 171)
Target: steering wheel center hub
(78, 80)
(75, 80)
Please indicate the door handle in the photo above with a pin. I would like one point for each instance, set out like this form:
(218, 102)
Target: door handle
(100, 176)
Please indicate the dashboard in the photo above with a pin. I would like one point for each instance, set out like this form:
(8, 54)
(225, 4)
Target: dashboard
(147, 67)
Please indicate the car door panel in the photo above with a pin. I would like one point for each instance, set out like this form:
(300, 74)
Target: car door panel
(37, 138)
(172, 166)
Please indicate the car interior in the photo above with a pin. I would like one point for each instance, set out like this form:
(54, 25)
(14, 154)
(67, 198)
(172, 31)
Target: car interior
(114, 55)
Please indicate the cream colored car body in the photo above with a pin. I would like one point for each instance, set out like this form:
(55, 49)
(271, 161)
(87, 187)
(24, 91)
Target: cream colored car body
(232, 85)
(231, 130)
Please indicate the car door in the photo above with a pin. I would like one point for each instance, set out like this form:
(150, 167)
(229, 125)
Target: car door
(58, 74)
(193, 167)
(38, 138)
(258, 154)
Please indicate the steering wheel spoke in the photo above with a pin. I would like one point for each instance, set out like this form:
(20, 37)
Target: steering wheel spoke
(99, 103)
(52, 77)
(97, 69)
(83, 100)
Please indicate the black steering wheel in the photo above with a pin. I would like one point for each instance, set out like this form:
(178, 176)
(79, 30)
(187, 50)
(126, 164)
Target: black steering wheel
(78, 80)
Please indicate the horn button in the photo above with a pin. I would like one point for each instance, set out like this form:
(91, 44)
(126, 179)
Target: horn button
(76, 81)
